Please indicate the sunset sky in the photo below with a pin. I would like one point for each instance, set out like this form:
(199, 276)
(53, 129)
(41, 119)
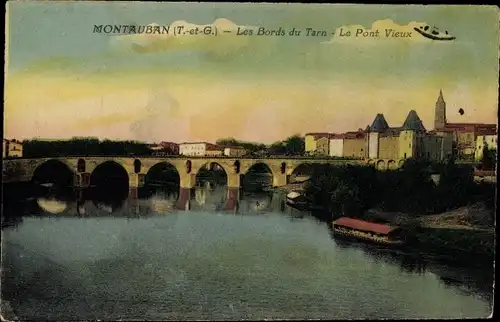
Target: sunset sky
(63, 80)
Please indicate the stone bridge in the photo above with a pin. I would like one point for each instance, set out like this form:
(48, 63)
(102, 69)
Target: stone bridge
(23, 169)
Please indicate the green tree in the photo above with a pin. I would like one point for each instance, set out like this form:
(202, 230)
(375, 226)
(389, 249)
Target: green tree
(336, 190)
(277, 148)
(294, 145)
(488, 160)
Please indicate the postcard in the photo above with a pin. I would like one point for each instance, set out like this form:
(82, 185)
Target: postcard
(248, 161)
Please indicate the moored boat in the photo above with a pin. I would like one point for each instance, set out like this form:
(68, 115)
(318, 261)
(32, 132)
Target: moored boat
(297, 200)
(367, 231)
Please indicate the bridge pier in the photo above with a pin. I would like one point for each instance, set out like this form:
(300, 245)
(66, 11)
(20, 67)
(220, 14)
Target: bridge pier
(82, 180)
(234, 180)
(136, 181)
(188, 181)
(133, 198)
(279, 180)
(233, 199)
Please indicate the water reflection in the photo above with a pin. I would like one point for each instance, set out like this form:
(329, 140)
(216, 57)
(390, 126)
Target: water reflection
(53, 206)
(264, 229)
(466, 279)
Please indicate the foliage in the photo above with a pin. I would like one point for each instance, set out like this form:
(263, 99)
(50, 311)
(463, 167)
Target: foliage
(456, 184)
(249, 146)
(488, 160)
(351, 190)
(83, 146)
(293, 145)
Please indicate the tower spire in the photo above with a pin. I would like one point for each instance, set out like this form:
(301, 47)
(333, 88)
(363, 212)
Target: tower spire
(440, 112)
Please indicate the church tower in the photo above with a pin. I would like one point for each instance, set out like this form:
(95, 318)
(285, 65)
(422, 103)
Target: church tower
(440, 113)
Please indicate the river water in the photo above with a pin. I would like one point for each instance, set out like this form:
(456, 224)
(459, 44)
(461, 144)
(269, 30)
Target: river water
(71, 261)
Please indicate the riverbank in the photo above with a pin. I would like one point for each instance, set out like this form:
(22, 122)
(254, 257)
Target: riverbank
(464, 232)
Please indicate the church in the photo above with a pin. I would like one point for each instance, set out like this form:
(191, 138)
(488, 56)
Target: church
(464, 135)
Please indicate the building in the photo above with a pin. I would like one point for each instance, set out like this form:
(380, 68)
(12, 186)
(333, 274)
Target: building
(234, 151)
(164, 148)
(354, 144)
(323, 145)
(489, 141)
(311, 139)
(155, 147)
(214, 151)
(411, 140)
(170, 147)
(336, 145)
(12, 149)
(196, 148)
(464, 134)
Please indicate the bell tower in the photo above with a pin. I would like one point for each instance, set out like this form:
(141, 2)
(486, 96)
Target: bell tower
(440, 112)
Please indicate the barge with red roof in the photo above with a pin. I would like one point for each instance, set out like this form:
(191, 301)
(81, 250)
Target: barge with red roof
(368, 231)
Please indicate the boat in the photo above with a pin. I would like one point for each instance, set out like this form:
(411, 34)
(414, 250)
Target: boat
(433, 33)
(367, 231)
(297, 200)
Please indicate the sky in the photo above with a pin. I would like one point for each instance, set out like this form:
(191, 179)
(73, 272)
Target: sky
(64, 80)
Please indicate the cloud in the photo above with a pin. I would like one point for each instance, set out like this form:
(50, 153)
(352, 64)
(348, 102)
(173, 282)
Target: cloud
(221, 40)
(381, 30)
(160, 118)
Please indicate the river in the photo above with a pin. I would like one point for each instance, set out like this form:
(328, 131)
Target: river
(71, 261)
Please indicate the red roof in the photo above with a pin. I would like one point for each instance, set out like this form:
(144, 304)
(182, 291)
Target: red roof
(337, 136)
(364, 225)
(470, 127)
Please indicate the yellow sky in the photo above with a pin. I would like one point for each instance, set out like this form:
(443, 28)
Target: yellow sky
(180, 108)
(257, 88)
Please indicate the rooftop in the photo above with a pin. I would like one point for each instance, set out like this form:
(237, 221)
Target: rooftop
(364, 225)
(379, 124)
(470, 126)
(413, 122)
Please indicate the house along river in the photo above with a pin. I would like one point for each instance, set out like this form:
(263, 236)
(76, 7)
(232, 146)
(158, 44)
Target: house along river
(104, 260)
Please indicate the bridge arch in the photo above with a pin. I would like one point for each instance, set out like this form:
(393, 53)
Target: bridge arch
(53, 171)
(111, 174)
(258, 176)
(303, 168)
(391, 165)
(213, 173)
(163, 174)
(380, 165)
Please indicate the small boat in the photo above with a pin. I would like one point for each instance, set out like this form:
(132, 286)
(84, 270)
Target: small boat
(367, 231)
(296, 199)
(433, 33)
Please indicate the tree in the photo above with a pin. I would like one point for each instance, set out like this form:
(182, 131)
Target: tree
(277, 148)
(295, 145)
(489, 158)
(250, 147)
(336, 190)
